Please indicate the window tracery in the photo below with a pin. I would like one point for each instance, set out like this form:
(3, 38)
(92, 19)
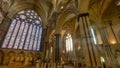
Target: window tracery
(69, 43)
(24, 32)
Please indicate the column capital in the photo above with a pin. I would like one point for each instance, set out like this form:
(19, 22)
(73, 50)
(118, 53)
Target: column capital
(57, 47)
(44, 27)
(46, 43)
(57, 34)
(83, 14)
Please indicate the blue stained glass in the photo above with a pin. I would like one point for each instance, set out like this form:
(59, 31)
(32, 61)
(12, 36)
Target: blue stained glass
(36, 39)
(19, 35)
(32, 11)
(32, 14)
(22, 16)
(24, 31)
(32, 38)
(28, 37)
(7, 38)
(28, 11)
(14, 35)
(23, 36)
(28, 14)
(37, 21)
(39, 39)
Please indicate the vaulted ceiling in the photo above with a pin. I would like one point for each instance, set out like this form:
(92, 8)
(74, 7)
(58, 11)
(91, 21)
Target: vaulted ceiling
(62, 13)
(104, 10)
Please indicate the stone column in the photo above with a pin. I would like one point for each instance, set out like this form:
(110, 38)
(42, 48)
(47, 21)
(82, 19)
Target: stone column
(88, 46)
(45, 50)
(44, 33)
(107, 46)
(57, 47)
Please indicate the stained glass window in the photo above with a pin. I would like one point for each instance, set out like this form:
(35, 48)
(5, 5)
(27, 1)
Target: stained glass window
(9, 34)
(69, 43)
(24, 32)
(32, 38)
(23, 36)
(40, 33)
(36, 38)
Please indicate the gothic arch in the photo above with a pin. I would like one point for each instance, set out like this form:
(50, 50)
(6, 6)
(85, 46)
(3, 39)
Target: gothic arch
(27, 5)
(66, 15)
(69, 25)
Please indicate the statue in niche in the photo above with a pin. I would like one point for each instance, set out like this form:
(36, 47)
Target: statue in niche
(35, 58)
(12, 58)
(22, 58)
(17, 58)
(31, 59)
(6, 59)
(26, 62)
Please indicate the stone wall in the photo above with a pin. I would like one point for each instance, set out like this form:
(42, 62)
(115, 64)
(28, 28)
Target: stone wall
(20, 57)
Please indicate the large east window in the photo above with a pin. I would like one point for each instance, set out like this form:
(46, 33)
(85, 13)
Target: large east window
(24, 32)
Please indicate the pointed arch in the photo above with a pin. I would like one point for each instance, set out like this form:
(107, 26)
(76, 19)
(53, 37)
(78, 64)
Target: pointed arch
(65, 16)
(24, 32)
(17, 7)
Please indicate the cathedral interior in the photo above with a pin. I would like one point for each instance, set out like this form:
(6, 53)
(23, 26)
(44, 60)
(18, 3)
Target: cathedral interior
(59, 33)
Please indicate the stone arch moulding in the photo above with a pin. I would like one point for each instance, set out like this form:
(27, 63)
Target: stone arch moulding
(25, 6)
(49, 35)
(63, 18)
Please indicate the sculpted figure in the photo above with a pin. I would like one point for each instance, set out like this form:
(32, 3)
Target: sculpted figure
(26, 62)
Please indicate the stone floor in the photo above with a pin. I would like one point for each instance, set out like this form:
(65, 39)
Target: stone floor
(66, 66)
(18, 67)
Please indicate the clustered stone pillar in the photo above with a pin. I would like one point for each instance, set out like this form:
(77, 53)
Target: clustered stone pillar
(57, 48)
(108, 52)
(44, 33)
(91, 57)
(45, 50)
